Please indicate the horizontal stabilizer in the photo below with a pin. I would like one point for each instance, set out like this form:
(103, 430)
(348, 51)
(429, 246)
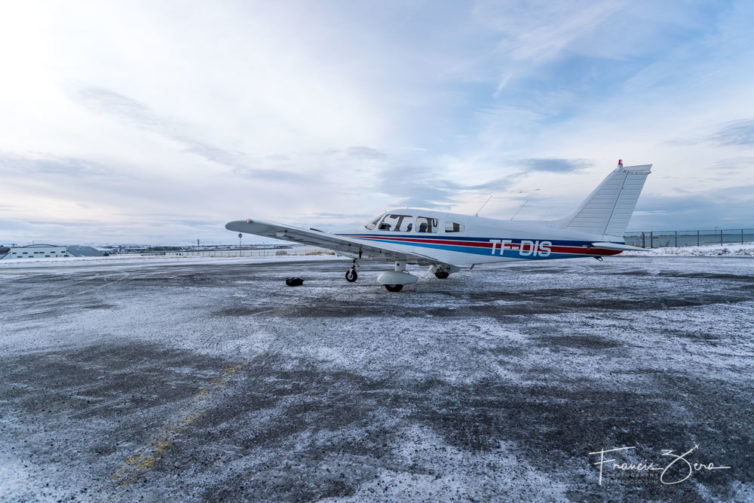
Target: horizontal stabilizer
(618, 246)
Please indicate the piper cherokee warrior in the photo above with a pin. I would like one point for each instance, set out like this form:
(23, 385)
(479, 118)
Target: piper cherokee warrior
(448, 242)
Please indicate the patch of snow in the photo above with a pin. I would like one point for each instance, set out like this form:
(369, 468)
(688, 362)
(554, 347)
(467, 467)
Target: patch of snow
(159, 260)
(727, 250)
(447, 473)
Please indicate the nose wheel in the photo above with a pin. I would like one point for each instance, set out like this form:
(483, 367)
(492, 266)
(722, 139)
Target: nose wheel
(352, 275)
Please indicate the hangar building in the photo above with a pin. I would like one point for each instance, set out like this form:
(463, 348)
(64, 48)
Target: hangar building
(38, 251)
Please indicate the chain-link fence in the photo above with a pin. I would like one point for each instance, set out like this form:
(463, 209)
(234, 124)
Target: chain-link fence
(245, 252)
(662, 239)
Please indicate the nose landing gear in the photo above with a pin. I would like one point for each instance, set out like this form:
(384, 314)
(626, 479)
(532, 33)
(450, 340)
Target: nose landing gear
(351, 274)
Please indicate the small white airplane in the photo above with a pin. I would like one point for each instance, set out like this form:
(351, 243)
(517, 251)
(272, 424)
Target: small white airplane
(448, 242)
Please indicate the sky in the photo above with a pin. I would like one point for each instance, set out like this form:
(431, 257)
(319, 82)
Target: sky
(160, 121)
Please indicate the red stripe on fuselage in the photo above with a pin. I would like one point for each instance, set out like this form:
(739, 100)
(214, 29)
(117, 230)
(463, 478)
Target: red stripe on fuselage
(573, 250)
(477, 244)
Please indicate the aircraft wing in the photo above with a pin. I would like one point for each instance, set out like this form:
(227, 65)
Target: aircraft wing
(346, 246)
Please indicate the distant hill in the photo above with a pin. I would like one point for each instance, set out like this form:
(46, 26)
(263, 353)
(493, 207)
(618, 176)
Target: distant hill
(84, 251)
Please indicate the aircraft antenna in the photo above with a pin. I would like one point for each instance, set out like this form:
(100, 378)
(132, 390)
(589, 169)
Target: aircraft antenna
(482, 207)
(526, 200)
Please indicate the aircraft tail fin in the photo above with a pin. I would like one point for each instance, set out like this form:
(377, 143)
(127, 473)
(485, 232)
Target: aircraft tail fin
(609, 207)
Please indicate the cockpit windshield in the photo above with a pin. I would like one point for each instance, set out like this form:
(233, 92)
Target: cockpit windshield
(371, 225)
(396, 223)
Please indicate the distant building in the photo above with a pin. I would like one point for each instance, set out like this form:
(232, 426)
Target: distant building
(38, 251)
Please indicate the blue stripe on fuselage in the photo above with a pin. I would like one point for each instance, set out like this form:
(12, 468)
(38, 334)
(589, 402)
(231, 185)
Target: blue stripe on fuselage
(395, 239)
(474, 250)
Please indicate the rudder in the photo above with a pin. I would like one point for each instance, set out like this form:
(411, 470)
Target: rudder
(609, 207)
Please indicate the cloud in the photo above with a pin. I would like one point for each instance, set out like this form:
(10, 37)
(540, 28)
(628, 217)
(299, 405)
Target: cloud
(498, 184)
(109, 102)
(555, 165)
(70, 168)
(129, 109)
(366, 153)
(702, 210)
(739, 132)
(106, 101)
(310, 114)
(540, 31)
(422, 186)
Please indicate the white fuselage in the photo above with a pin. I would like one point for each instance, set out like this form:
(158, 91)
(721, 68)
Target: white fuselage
(464, 240)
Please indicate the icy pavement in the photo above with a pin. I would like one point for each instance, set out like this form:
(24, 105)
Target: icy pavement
(215, 381)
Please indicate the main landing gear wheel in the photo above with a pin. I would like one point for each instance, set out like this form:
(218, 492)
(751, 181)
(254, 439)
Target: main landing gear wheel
(351, 275)
(393, 281)
(442, 274)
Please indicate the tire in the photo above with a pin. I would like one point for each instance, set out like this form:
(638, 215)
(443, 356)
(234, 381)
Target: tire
(294, 281)
(442, 274)
(351, 275)
(394, 288)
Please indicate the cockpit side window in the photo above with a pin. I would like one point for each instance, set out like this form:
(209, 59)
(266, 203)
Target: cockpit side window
(397, 223)
(426, 224)
(454, 227)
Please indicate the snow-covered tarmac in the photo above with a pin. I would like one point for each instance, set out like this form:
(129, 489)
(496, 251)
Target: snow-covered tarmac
(191, 381)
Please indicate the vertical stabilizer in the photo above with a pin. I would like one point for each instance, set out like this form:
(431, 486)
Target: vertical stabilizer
(608, 208)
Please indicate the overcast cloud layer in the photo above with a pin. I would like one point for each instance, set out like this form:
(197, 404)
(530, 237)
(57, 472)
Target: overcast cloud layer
(160, 121)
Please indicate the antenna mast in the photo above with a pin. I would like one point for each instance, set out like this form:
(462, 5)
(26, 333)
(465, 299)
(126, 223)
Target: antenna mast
(482, 207)
(526, 200)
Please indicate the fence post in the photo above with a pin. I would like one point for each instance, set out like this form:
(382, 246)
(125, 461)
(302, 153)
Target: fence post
(721, 237)
(742, 236)
(643, 242)
(651, 239)
(697, 238)
(676, 239)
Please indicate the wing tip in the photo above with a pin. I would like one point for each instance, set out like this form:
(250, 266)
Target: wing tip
(236, 225)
